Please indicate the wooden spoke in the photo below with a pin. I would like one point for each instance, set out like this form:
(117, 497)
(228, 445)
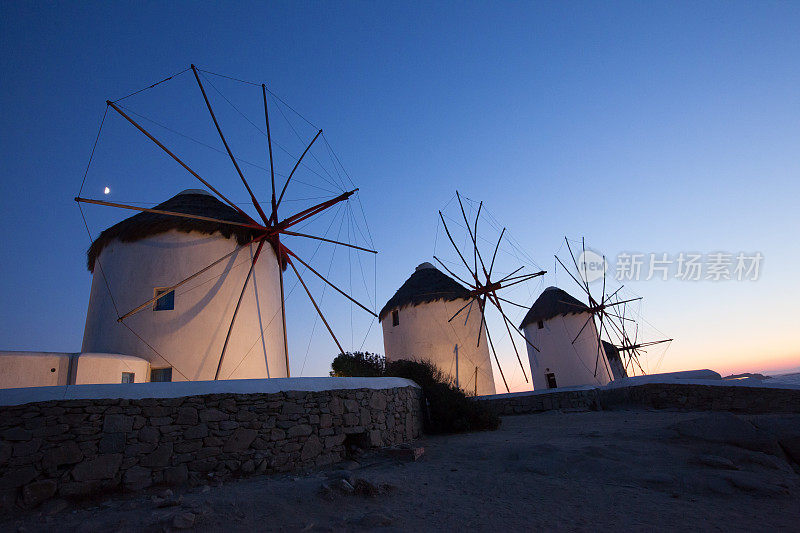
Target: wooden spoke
(643, 345)
(508, 276)
(600, 349)
(636, 360)
(523, 279)
(510, 302)
(255, 226)
(620, 317)
(280, 248)
(619, 302)
(584, 285)
(585, 274)
(468, 284)
(181, 163)
(602, 294)
(603, 349)
(475, 241)
(568, 272)
(474, 274)
(482, 307)
(311, 211)
(323, 278)
(228, 148)
(496, 303)
(469, 311)
(521, 334)
(319, 312)
(494, 352)
(274, 216)
(295, 234)
(494, 255)
(582, 328)
(459, 311)
(236, 309)
(476, 252)
(615, 292)
(179, 284)
(285, 185)
(526, 276)
(618, 330)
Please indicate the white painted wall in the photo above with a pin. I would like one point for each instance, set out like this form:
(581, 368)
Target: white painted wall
(48, 369)
(33, 369)
(424, 333)
(189, 338)
(572, 364)
(94, 368)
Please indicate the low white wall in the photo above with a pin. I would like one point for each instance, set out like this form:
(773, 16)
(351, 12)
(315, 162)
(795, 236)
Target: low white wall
(686, 377)
(195, 388)
(52, 369)
(670, 377)
(33, 369)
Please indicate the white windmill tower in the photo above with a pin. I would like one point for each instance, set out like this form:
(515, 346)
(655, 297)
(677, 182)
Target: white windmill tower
(417, 324)
(569, 333)
(569, 354)
(461, 306)
(182, 331)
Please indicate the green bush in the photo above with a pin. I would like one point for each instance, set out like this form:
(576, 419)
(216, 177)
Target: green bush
(449, 410)
(358, 364)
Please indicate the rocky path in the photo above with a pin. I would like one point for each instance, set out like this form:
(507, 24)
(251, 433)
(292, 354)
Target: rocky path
(628, 470)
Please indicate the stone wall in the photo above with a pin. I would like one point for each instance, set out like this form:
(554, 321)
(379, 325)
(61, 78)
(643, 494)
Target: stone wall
(694, 397)
(79, 447)
(535, 402)
(653, 395)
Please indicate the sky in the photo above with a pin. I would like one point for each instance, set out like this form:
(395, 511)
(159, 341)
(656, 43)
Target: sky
(644, 128)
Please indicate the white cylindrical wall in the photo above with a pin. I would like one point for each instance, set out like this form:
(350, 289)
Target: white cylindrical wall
(93, 368)
(572, 363)
(423, 332)
(189, 338)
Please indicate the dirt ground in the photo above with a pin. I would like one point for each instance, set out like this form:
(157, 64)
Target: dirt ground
(622, 470)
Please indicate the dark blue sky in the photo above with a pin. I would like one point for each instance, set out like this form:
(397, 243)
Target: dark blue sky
(653, 127)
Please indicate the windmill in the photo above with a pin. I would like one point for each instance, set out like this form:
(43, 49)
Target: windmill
(608, 314)
(484, 283)
(631, 348)
(268, 226)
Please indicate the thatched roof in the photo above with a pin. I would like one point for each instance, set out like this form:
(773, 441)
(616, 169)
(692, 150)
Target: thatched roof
(426, 284)
(192, 201)
(553, 302)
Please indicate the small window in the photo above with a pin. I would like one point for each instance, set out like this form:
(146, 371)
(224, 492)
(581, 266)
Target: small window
(161, 374)
(541, 324)
(165, 302)
(395, 318)
(551, 380)
(128, 377)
